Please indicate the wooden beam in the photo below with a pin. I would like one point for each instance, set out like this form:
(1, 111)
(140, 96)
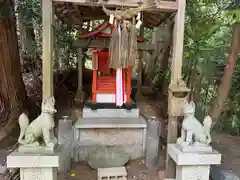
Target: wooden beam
(85, 43)
(47, 48)
(166, 6)
(130, 3)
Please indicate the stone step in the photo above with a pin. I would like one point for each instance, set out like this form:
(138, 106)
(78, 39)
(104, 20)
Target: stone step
(109, 113)
(86, 123)
(114, 173)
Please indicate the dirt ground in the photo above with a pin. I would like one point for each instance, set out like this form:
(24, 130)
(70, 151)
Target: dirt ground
(136, 170)
(229, 147)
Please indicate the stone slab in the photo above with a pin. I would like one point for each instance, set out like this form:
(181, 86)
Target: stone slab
(42, 149)
(105, 105)
(193, 149)
(130, 140)
(198, 158)
(64, 127)
(221, 173)
(65, 154)
(111, 172)
(109, 113)
(29, 160)
(38, 173)
(86, 123)
(195, 172)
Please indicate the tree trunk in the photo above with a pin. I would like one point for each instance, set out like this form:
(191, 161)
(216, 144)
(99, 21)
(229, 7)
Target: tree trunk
(12, 92)
(139, 95)
(28, 55)
(27, 37)
(226, 80)
(161, 36)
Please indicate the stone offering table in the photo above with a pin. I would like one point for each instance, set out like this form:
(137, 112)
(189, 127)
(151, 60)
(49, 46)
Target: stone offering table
(110, 127)
(34, 166)
(193, 165)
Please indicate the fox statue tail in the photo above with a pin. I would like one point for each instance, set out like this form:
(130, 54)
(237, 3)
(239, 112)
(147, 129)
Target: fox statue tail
(207, 124)
(23, 122)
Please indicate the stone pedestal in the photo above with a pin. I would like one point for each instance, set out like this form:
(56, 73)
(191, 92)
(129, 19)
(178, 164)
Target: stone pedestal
(128, 134)
(193, 165)
(65, 140)
(34, 166)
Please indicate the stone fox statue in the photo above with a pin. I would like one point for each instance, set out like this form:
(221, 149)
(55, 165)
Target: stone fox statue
(192, 130)
(41, 127)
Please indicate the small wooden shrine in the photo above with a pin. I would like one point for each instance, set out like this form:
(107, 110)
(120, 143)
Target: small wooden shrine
(153, 13)
(104, 82)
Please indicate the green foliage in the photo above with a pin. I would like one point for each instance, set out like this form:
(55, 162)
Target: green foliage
(207, 41)
(208, 30)
(31, 14)
(207, 34)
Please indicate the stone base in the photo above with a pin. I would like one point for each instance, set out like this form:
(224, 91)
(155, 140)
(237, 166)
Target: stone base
(80, 95)
(189, 149)
(65, 140)
(38, 173)
(195, 165)
(34, 166)
(64, 158)
(42, 149)
(128, 134)
(110, 113)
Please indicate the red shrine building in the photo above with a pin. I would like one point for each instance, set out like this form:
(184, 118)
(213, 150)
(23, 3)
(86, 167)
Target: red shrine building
(104, 81)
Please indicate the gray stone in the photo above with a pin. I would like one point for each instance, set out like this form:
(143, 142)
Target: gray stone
(3, 168)
(64, 159)
(131, 140)
(64, 127)
(34, 166)
(42, 149)
(195, 148)
(153, 128)
(108, 156)
(65, 140)
(86, 123)
(109, 113)
(90, 133)
(221, 173)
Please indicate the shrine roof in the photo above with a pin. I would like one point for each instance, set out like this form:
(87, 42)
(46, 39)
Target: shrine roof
(99, 32)
(74, 12)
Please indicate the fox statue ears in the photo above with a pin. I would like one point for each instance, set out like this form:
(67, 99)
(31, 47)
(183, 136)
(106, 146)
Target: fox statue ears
(51, 99)
(191, 103)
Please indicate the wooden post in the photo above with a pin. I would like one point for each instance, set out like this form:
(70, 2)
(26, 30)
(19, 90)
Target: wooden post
(47, 44)
(177, 54)
(80, 93)
(178, 40)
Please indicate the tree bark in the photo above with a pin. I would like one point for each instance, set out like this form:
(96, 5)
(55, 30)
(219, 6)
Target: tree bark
(226, 80)
(27, 38)
(160, 58)
(140, 69)
(12, 92)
